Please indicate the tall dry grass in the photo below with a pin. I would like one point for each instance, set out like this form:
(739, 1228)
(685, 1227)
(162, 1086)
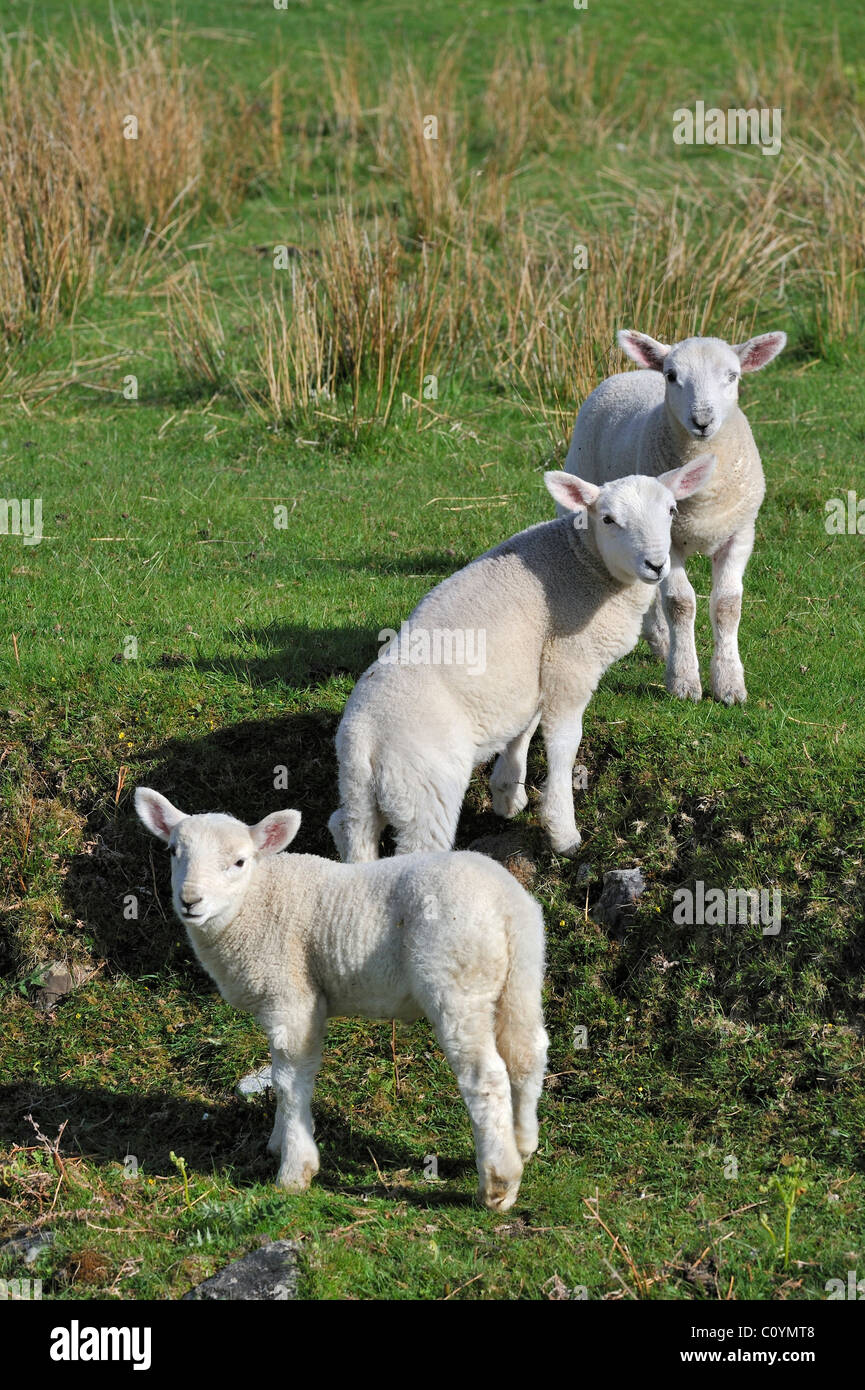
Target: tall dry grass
(360, 323)
(73, 181)
(679, 249)
(466, 265)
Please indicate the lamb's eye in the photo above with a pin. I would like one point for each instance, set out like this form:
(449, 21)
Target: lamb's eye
(608, 521)
(673, 511)
(733, 376)
(670, 375)
(239, 863)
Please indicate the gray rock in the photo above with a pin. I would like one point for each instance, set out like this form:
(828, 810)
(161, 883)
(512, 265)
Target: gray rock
(619, 894)
(27, 1244)
(266, 1275)
(58, 982)
(254, 1083)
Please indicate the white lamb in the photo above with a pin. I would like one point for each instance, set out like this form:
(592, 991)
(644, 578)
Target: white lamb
(551, 608)
(295, 939)
(658, 419)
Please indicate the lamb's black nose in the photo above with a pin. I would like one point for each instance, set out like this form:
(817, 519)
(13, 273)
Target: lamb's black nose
(656, 568)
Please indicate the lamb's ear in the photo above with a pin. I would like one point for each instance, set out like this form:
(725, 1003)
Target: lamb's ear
(642, 349)
(570, 491)
(758, 351)
(157, 812)
(275, 832)
(690, 477)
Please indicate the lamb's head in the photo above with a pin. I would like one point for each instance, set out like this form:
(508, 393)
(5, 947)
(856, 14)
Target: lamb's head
(629, 518)
(702, 374)
(213, 856)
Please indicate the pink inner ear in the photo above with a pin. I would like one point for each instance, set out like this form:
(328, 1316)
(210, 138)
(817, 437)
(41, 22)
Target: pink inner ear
(645, 352)
(274, 833)
(762, 352)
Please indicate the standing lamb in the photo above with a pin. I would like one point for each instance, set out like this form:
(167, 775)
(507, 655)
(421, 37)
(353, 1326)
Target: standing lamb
(295, 940)
(658, 419)
(550, 609)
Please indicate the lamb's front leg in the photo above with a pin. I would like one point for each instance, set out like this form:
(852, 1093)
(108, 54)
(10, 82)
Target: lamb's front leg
(725, 608)
(680, 609)
(295, 1048)
(508, 777)
(562, 735)
(656, 630)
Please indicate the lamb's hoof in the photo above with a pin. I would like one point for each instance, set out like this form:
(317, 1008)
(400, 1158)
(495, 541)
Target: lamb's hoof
(731, 697)
(728, 687)
(298, 1177)
(509, 803)
(296, 1182)
(685, 687)
(527, 1142)
(498, 1193)
(566, 845)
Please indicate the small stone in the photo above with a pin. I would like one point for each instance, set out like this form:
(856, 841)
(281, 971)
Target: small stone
(267, 1275)
(254, 1083)
(619, 894)
(58, 981)
(27, 1244)
(585, 873)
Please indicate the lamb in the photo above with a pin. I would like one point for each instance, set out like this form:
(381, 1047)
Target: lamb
(658, 419)
(295, 939)
(551, 608)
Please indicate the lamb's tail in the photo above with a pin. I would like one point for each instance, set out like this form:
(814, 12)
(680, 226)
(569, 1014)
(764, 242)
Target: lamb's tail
(520, 1034)
(356, 827)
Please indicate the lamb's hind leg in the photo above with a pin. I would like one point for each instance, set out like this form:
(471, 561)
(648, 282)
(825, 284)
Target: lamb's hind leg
(508, 777)
(522, 1042)
(424, 809)
(725, 609)
(356, 835)
(467, 1039)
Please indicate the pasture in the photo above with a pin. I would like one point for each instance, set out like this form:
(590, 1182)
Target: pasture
(251, 461)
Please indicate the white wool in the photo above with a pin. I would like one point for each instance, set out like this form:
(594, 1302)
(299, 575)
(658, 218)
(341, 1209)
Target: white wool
(555, 606)
(294, 939)
(657, 419)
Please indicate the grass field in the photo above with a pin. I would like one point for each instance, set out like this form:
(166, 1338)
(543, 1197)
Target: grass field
(165, 390)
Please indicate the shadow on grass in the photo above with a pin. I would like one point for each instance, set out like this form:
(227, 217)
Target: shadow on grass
(297, 656)
(120, 888)
(106, 1126)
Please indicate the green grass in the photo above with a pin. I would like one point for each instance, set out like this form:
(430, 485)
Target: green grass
(705, 1044)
